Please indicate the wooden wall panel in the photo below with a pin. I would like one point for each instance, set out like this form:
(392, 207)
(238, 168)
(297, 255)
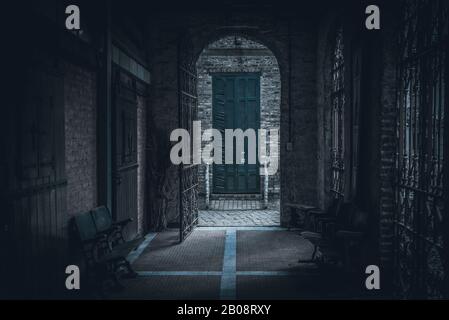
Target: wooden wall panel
(34, 191)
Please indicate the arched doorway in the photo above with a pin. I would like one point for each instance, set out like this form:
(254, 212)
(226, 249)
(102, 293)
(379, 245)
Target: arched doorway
(190, 46)
(239, 87)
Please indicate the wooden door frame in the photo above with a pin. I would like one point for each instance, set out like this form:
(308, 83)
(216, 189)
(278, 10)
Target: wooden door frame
(119, 170)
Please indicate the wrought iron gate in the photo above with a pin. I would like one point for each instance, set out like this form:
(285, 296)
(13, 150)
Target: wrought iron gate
(422, 103)
(337, 116)
(188, 110)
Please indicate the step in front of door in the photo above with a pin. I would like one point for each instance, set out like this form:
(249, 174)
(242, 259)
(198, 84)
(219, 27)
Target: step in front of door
(236, 196)
(225, 205)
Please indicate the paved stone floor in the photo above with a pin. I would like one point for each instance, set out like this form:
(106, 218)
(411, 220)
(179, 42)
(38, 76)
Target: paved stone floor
(229, 263)
(233, 218)
(234, 212)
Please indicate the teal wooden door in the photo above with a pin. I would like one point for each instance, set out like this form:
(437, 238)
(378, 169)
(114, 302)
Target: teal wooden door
(236, 105)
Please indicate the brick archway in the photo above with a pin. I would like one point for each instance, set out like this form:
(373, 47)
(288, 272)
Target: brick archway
(199, 39)
(231, 56)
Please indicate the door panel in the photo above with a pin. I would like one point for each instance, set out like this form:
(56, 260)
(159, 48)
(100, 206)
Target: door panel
(220, 181)
(236, 105)
(125, 152)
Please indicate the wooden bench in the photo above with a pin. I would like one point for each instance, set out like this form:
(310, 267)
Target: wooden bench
(104, 247)
(305, 216)
(338, 238)
(298, 212)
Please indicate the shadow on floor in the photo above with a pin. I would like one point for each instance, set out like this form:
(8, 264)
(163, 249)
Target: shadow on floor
(247, 264)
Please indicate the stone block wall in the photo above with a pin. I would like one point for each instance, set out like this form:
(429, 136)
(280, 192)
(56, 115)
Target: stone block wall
(80, 103)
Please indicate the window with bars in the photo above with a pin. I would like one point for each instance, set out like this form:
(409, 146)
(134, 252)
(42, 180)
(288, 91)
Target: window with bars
(337, 115)
(421, 104)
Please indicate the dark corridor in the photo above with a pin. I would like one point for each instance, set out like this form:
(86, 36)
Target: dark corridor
(103, 169)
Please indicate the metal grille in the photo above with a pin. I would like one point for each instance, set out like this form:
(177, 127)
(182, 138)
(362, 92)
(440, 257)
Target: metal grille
(421, 104)
(337, 116)
(188, 110)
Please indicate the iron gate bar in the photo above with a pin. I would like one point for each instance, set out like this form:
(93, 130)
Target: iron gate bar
(188, 95)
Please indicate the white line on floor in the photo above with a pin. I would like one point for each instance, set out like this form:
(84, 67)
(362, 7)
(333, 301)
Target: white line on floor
(133, 255)
(228, 277)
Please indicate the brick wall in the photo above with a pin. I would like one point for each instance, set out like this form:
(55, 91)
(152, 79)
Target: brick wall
(221, 56)
(141, 159)
(323, 110)
(80, 138)
(163, 118)
(299, 166)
